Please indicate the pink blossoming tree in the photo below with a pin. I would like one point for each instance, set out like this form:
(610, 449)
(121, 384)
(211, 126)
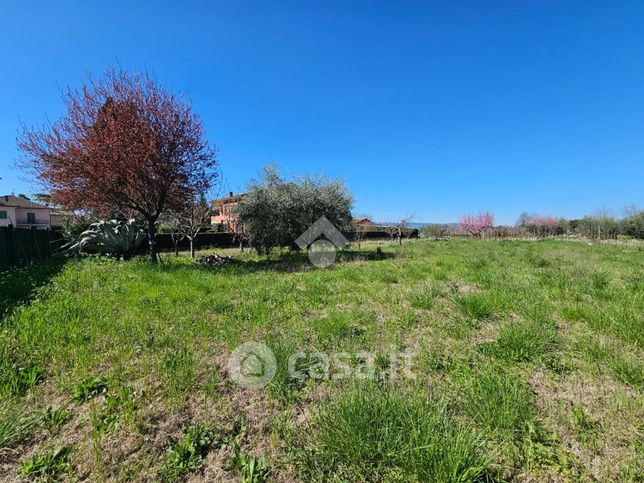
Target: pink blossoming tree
(478, 224)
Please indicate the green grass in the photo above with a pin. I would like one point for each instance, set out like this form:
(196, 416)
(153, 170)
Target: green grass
(498, 402)
(478, 305)
(113, 357)
(370, 434)
(51, 465)
(89, 388)
(186, 455)
(53, 419)
(524, 342)
(16, 424)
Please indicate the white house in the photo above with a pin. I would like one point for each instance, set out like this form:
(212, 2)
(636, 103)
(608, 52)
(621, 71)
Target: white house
(21, 212)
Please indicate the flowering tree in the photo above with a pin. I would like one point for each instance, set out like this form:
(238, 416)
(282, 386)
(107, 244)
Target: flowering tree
(544, 225)
(477, 225)
(124, 143)
(539, 225)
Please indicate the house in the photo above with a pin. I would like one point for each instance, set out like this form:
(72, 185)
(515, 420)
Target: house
(363, 221)
(224, 212)
(21, 212)
(57, 216)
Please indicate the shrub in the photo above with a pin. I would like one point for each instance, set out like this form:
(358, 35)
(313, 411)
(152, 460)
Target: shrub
(275, 212)
(633, 225)
(116, 238)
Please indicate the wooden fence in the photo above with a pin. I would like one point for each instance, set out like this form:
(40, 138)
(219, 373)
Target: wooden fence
(21, 246)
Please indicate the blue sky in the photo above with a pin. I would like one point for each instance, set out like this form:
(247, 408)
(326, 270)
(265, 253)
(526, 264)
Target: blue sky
(433, 109)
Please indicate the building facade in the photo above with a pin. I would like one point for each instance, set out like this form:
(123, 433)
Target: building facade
(224, 216)
(21, 212)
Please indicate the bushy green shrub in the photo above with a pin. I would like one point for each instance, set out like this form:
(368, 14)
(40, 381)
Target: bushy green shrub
(633, 225)
(275, 212)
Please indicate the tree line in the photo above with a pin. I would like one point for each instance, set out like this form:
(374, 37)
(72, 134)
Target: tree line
(601, 225)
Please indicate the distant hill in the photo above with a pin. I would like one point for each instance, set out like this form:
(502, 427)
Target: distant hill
(422, 225)
(419, 225)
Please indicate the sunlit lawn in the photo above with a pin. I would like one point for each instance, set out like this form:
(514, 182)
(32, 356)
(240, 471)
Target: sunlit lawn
(527, 362)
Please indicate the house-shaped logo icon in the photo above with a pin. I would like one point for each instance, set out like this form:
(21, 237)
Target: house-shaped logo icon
(322, 251)
(322, 227)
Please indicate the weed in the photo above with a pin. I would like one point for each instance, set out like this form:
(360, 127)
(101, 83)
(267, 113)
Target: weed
(251, 469)
(50, 465)
(178, 360)
(89, 388)
(187, 454)
(52, 419)
(582, 424)
(118, 406)
(283, 385)
(500, 404)
(17, 380)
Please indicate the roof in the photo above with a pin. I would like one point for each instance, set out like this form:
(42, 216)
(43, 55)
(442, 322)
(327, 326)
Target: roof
(20, 202)
(229, 199)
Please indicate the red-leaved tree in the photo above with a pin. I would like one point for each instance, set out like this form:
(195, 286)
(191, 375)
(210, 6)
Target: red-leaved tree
(125, 143)
(477, 225)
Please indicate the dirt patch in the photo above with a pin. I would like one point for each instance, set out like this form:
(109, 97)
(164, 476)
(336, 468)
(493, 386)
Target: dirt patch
(596, 418)
(464, 288)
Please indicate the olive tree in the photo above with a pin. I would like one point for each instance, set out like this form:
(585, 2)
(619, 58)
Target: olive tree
(275, 211)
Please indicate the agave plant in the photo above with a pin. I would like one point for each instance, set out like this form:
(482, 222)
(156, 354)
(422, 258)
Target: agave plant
(115, 238)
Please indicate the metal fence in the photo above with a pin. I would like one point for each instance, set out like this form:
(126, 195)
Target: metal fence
(21, 246)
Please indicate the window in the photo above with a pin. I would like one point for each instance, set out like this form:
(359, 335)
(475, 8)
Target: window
(31, 218)
(3, 215)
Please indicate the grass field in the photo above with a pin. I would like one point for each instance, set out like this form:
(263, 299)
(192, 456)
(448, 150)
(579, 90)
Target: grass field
(527, 357)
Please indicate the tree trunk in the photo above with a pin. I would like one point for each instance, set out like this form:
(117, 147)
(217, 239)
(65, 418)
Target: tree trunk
(175, 244)
(152, 241)
(192, 248)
